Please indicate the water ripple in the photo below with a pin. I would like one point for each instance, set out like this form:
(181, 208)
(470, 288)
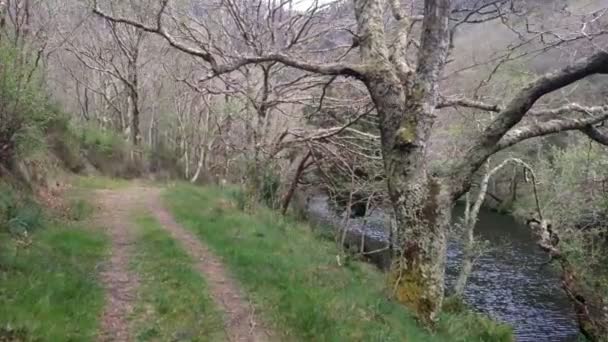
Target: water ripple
(509, 283)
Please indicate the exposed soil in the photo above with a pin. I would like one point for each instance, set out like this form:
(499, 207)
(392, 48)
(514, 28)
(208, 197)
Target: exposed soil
(240, 321)
(120, 283)
(114, 212)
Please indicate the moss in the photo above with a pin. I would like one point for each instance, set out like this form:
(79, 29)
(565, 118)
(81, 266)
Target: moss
(411, 290)
(406, 134)
(429, 211)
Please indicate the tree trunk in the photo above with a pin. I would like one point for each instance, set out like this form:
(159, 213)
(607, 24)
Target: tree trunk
(422, 203)
(133, 99)
(294, 183)
(405, 99)
(417, 276)
(467, 265)
(467, 259)
(202, 161)
(470, 220)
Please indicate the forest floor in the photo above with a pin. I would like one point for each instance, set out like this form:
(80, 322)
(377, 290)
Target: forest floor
(137, 261)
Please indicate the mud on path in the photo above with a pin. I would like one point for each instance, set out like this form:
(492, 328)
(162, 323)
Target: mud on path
(120, 283)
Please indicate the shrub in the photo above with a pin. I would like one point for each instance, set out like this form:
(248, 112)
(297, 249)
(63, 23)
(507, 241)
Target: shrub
(64, 141)
(573, 187)
(79, 209)
(24, 107)
(108, 152)
(271, 181)
(239, 197)
(105, 142)
(18, 215)
(263, 184)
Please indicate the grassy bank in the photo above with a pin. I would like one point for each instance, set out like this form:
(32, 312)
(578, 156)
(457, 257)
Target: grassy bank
(295, 282)
(172, 304)
(86, 183)
(48, 285)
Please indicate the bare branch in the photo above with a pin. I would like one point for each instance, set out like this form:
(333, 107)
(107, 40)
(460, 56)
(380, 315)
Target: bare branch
(159, 29)
(490, 141)
(596, 135)
(548, 112)
(324, 69)
(548, 127)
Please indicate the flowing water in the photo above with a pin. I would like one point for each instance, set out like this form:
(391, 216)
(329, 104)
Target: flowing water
(511, 282)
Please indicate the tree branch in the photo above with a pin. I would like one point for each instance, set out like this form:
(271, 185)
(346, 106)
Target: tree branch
(159, 29)
(549, 112)
(527, 97)
(595, 134)
(548, 127)
(343, 69)
(434, 42)
(489, 142)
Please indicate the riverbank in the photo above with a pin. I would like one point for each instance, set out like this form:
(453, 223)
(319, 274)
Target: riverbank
(294, 280)
(511, 281)
(58, 286)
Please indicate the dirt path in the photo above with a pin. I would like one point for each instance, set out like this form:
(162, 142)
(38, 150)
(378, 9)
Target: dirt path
(115, 214)
(240, 322)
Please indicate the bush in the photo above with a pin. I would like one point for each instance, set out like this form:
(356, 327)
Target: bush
(79, 209)
(163, 159)
(239, 197)
(271, 182)
(24, 108)
(64, 142)
(105, 142)
(108, 152)
(573, 188)
(263, 185)
(18, 215)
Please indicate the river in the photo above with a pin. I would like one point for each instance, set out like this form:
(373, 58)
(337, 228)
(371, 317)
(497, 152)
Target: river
(511, 282)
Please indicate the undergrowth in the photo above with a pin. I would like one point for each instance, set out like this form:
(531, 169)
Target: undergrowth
(48, 285)
(98, 182)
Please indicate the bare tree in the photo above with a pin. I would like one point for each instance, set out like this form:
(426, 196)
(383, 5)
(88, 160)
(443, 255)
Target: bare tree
(121, 59)
(405, 92)
(470, 220)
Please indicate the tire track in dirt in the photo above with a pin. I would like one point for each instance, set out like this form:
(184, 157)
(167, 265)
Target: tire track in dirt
(114, 214)
(240, 321)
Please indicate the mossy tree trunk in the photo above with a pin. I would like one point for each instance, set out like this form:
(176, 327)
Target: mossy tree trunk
(405, 99)
(417, 275)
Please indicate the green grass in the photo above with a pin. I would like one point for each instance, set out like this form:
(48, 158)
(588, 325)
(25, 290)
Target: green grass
(49, 290)
(99, 182)
(173, 302)
(294, 280)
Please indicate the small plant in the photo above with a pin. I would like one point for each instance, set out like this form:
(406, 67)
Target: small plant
(105, 142)
(79, 210)
(239, 197)
(9, 333)
(263, 185)
(271, 182)
(18, 216)
(454, 305)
